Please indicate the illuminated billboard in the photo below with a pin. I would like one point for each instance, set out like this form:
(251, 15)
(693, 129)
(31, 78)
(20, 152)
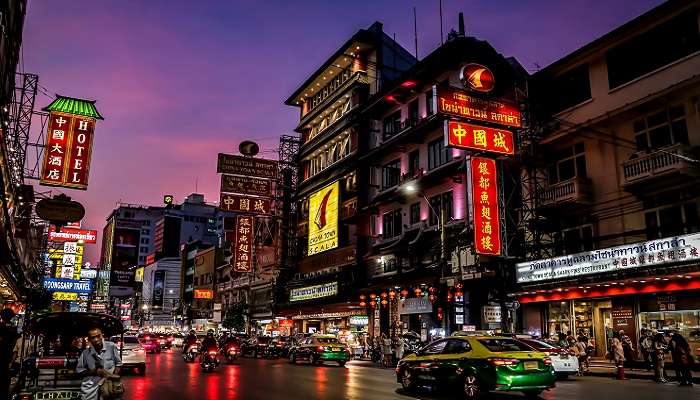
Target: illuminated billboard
(323, 219)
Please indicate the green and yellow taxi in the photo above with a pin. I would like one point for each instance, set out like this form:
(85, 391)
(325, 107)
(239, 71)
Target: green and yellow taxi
(478, 364)
(318, 349)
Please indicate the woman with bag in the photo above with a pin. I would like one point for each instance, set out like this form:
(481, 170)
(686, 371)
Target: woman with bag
(682, 359)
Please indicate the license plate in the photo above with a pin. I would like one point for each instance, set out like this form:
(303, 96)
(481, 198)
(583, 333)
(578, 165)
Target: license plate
(531, 364)
(57, 395)
(336, 349)
(564, 356)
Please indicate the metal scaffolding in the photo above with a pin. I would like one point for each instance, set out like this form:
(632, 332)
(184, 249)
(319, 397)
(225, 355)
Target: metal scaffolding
(19, 125)
(288, 179)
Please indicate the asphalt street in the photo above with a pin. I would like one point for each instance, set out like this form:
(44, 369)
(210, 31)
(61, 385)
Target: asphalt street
(168, 377)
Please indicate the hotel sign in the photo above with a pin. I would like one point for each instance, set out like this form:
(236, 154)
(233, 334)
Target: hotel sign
(466, 136)
(323, 219)
(313, 292)
(68, 151)
(246, 166)
(612, 259)
(459, 103)
(487, 225)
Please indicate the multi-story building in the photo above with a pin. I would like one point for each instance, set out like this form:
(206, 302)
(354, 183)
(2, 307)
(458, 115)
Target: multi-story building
(327, 275)
(615, 173)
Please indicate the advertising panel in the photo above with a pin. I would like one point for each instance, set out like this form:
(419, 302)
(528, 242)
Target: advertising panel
(487, 224)
(158, 288)
(461, 135)
(460, 103)
(243, 245)
(138, 274)
(87, 236)
(67, 285)
(64, 296)
(68, 151)
(323, 219)
(417, 305)
(246, 166)
(245, 185)
(313, 292)
(203, 294)
(245, 204)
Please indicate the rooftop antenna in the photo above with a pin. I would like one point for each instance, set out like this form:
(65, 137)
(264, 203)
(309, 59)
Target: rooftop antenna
(441, 33)
(196, 184)
(461, 24)
(415, 31)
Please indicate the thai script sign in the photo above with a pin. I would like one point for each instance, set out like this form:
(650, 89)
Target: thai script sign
(313, 292)
(487, 225)
(474, 137)
(72, 235)
(459, 103)
(246, 166)
(612, 259)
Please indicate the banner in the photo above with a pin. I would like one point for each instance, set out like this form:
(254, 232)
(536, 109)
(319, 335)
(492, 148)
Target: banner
(323, 219)
(246, 166)
(417, 305)
(67, 285)
(313, 292)
(461, 135)
(158, 288)
(487, 223)
(245, 185)
(451, 101)
(87, 236)
(243, 246)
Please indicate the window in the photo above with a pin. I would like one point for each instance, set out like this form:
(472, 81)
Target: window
(334, 152)
(578, 239)
(437, 203)
(438, 154)
(391, 222)
(653, 49)
(672, 220)
(414, 163)
(501, 345)
(571, 163)
(456, 346)
(391, 173)
(413, 110)
(664, 128)
(415, 213)
(144, 249)
(429, 102)
(144, 240)
(392, 124)
(142, 258)
(569, 89)
(434, 348)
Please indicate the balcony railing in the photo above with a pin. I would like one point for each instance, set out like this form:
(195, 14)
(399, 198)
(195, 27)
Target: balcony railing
(331, 87)
(658, 163)
(572, 191)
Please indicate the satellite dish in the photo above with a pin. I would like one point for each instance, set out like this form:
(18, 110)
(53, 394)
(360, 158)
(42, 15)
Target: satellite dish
(248, 148)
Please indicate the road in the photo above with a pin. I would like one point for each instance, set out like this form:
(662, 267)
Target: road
(168, 377)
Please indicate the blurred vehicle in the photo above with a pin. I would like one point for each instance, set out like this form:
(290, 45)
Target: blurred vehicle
(230, 349)
(563, 361)
(150, 343)
(320, 348)
(476, 365)
(165, 341)
(276, 347)
(191, 354)
(133, 354)
(178, 339)
(256, 347)
(411, 343)
(208, 360)
(286, 343)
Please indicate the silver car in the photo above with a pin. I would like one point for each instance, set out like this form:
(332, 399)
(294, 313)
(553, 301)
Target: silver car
(133, 355)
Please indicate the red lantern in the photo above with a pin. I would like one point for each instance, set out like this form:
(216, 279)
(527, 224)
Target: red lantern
(449, 297)
(404, 293)
(432, 290)
(373, 304)
(432, 298)
(385, 302)
(372, 296)
(417, 292)
(459, 286)
(383, 295)
(392, 294)
(363, 304)
(439, 314)
(363, 297)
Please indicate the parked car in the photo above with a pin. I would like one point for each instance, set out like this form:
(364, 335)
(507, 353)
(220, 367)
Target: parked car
(563, 361)
(256, 347)
(150, 343)
(320, 348)
(476, 365)
(133, 354)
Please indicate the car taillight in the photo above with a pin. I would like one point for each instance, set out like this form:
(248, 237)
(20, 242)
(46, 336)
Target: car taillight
(547, 361)
(138, 349)
(25, 397)
(321, 348)
(498, 362)
(212, 353)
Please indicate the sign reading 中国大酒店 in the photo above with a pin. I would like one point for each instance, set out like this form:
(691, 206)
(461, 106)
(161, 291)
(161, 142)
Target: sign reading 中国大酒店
(460, 103)
(323, 219)
(245, 185)
(246, 166)
(72, 235)
(245, 204)
(487, 225)
(629, 256)
(242, 247)
(313, 292)
(462, 135)
(67, 285)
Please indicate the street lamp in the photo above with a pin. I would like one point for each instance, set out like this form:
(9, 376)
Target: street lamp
(411, 188)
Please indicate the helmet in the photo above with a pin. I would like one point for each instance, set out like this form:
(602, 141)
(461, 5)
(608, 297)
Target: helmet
(192, 332)
(210, 332)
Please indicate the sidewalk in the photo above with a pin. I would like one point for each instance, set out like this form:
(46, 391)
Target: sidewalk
(603, 367)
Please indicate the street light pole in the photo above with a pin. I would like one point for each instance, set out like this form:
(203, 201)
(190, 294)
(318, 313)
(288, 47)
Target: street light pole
(410, 188)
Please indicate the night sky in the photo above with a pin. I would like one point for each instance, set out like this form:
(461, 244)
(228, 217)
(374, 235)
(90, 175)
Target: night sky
(180, 81)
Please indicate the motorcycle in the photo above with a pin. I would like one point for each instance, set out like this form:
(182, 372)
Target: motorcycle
(209, 360)
(231, 353)
(190, 355)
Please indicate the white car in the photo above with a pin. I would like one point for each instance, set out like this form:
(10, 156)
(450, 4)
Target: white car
(564, 363)
(177, 340)
(133, 355)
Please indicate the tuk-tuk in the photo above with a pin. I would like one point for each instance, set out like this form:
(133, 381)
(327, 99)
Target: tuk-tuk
(48, 370)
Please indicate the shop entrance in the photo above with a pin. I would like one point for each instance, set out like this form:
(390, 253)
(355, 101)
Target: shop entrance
(603, 326)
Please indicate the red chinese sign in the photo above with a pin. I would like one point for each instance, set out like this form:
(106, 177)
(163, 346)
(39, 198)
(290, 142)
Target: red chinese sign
(242, 247)
(68, 151)
(244, 204)
(87, 236)
(473, 137)
(203, 294)
(487, 226)
(460, 103)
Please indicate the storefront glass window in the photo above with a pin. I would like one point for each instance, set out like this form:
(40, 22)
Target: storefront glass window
(583, 314)
(687, 322)
(559, 318)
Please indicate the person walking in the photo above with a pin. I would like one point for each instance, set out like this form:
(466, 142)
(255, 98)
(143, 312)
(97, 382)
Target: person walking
(8, 337)
(646, 345)
(682, 359)
(618, 355)
(627, 347)
(582, 354)
(386, 351)
(660, 349)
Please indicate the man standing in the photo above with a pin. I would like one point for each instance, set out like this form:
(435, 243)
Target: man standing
(99, 361)
(8, 337)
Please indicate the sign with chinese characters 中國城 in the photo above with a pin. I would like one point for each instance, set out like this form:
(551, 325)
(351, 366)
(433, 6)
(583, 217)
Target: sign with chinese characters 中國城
(459, 103)
(243, 244)
(466, 136)
(487, 226)
(245, 204)
(68, 151)
(323, 219)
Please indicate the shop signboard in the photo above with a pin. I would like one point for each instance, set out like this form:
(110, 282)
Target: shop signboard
(460, 103)
(88, 274)
(491, 314)
(462, 135)
(246, 166)
(652, 253)
(64, 296)
(138, 274)
(313, 292)
(487, 223)
(87, 236)
(245, 204)
(245, 185)
(203, 294)
(68, 151)
(243, 245)
(359, 320)
(323, 219)
(67, 285)
(417, 305)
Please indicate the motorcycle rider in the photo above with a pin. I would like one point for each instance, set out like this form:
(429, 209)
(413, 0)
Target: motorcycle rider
(190, 340)
(209, 342)
(223, 339)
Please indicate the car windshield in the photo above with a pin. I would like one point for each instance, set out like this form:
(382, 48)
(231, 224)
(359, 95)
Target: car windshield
(499, 345)
(538, 344)
(328, 340)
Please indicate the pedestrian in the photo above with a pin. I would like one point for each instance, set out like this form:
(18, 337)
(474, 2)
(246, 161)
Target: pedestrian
(682, 359)
(386, 351)
(660, 349)
(8, 337)
(627, 347)
(582, 354)
(646, 345)
(399, 348)
(99, 365)
(618, 354)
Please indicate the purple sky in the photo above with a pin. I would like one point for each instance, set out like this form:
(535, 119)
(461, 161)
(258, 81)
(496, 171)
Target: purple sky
(180, 81)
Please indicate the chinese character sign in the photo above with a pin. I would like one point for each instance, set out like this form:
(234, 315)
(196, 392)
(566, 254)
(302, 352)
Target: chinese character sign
(242, 247)
(245, 204)
(68, 150)
(473, 137)
(487, 227)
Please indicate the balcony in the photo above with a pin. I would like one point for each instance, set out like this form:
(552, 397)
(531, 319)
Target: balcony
(573, 192)
(349, 209)
(328, 94)
(666, 167)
